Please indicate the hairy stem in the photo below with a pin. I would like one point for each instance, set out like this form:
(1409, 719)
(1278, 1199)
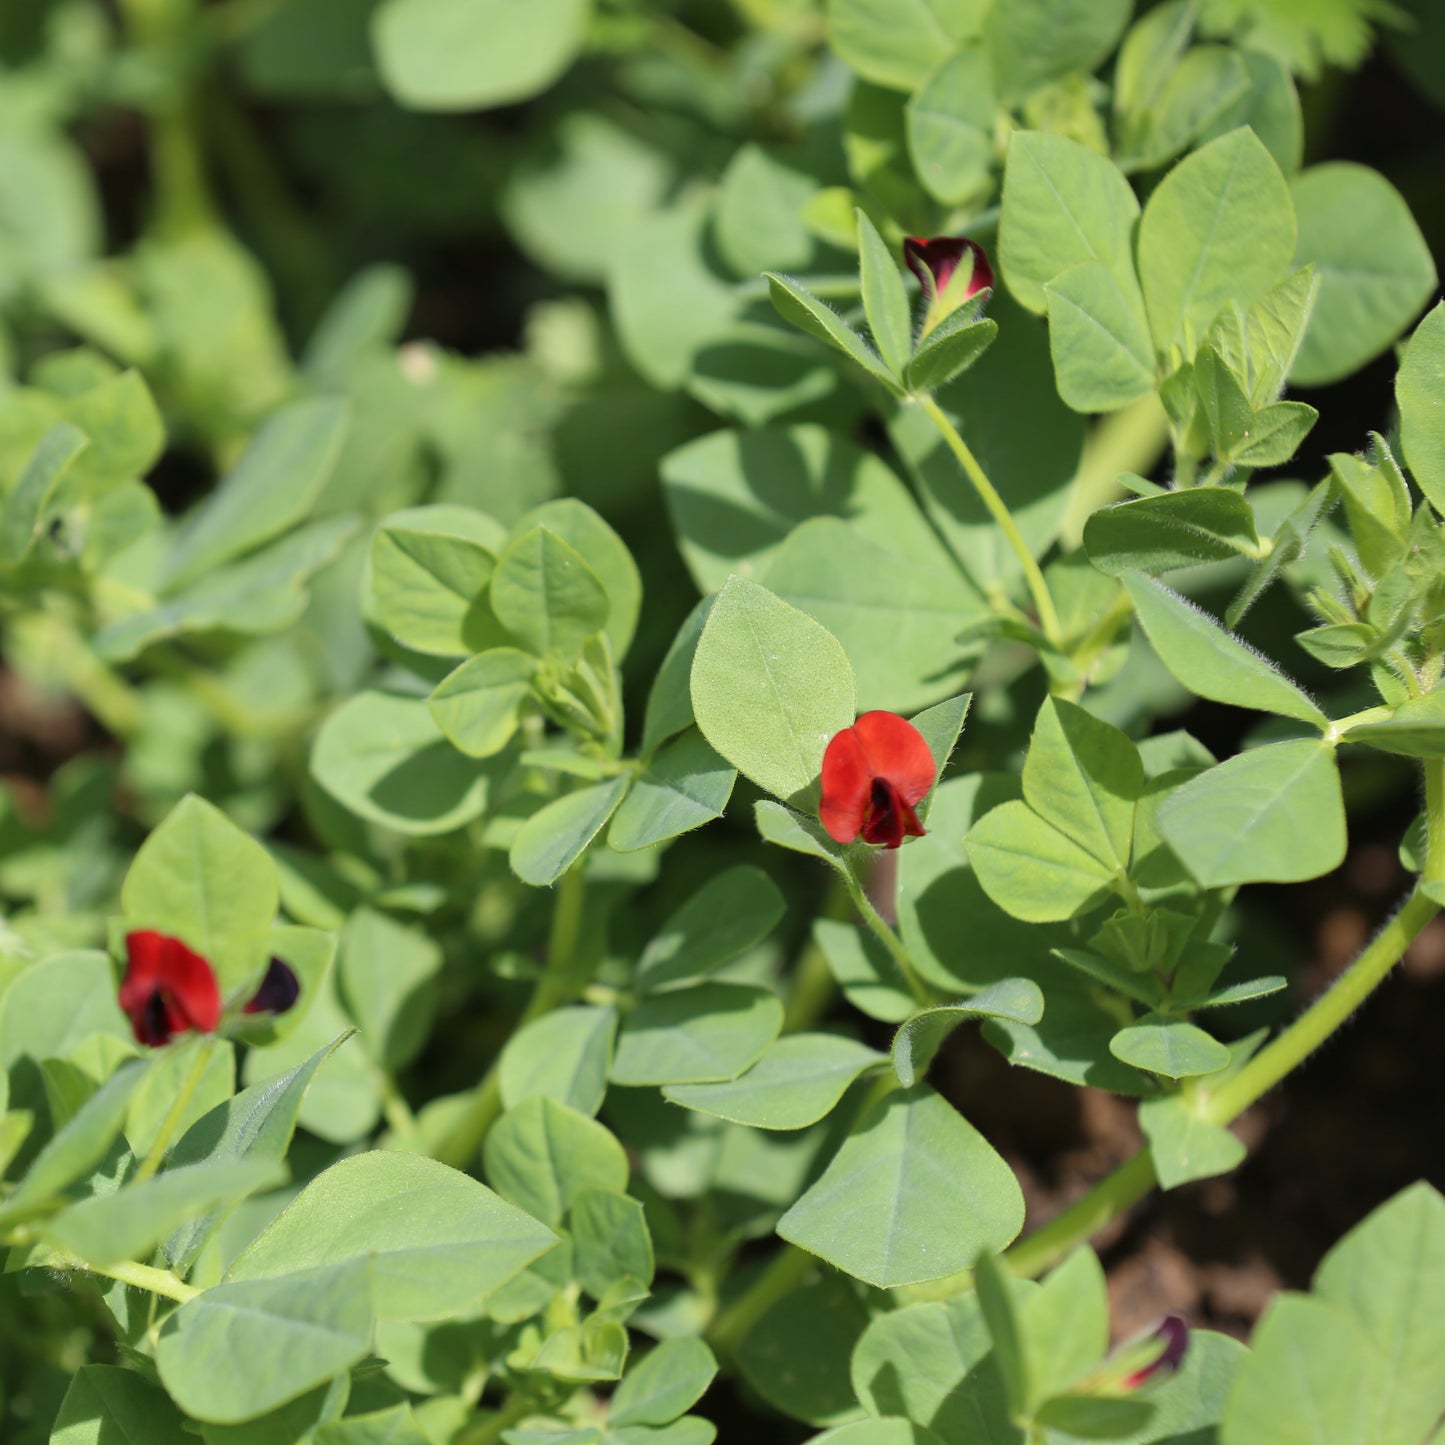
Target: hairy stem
(782, 1274)
(558, 984)
(142, 1276)
(156, 1154)
(889, 939)
(1038, 588)
(1133, 1179)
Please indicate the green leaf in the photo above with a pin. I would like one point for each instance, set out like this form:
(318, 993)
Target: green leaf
(1307, 1379)
(897, 42)
(941, 726)
(736, 496)
(77, 1147)
(669, 700)
(200, 877)
(1063, 205)
(885, 302)
(1271, 815)
(605, 553)
(1374, 266)
(56, 1004)
(396, 1426)
(916, 1043)
(914, 1194)
(553, 839)
(1032, 42)
(25, 512)
(474, 54)
(1415, 729)
(546, 596)
(1064, 1326)
(257, 1124)
(479, 705)
(434, 1242)
(1419, 385)
(108, 1228)
(758, 220)
(1030, 869)
(1169, 1046)
(798, 833)
(564, 1055)
(1202, 88)
(1387, 1273)
(542, 1154)
(795, 1356)
(1210, 661)
(684, 785)
(799, 307)
(898, 620)
(1288, 544)
(1178, 529)
(1001, 1312)
(611, 1245)
(934, 1363)
(863, 969)
(948, 351)
(1032, 466)
(381, 755)
(1084, 777)
(950, 120)
(702, 1034)
(241, 1349)
(269, 490)
(667, 1382)
(770, 687)
(796, 1082)
(1183, 1144)
(726, 917)
(1099, 337)
(262, 593)
(877, 1432)
(429, 572)
(386, 977)
(107, 1405)
(1219, 227)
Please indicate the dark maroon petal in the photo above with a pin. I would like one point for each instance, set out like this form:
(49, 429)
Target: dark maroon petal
(934, 260)
(1173, 1337)
(278, 992)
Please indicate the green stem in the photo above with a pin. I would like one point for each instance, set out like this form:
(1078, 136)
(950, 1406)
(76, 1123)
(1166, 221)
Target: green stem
(787, 1269)
(1131, 440)
(890, 940)
(166, 30)
(811, 992)
(1038, 588)
(142, 1276)
(559, 983)
(490, 1431)
(156, 1154)
(1133, 1179)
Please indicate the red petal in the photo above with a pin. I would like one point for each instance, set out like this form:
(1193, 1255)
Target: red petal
(847, 778)
(167, 988)
(898, 753)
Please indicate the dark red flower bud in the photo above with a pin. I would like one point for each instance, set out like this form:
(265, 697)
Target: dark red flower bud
(935, 261)
(167, 988)
(875, 774)
(1172, 1340)
(278, 992)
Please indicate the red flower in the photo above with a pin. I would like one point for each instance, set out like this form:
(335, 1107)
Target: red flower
(935, 260)
(167, 988)
(874, 774)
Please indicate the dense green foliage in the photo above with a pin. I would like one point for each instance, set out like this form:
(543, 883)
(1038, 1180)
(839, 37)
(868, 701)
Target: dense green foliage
(481, 696)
